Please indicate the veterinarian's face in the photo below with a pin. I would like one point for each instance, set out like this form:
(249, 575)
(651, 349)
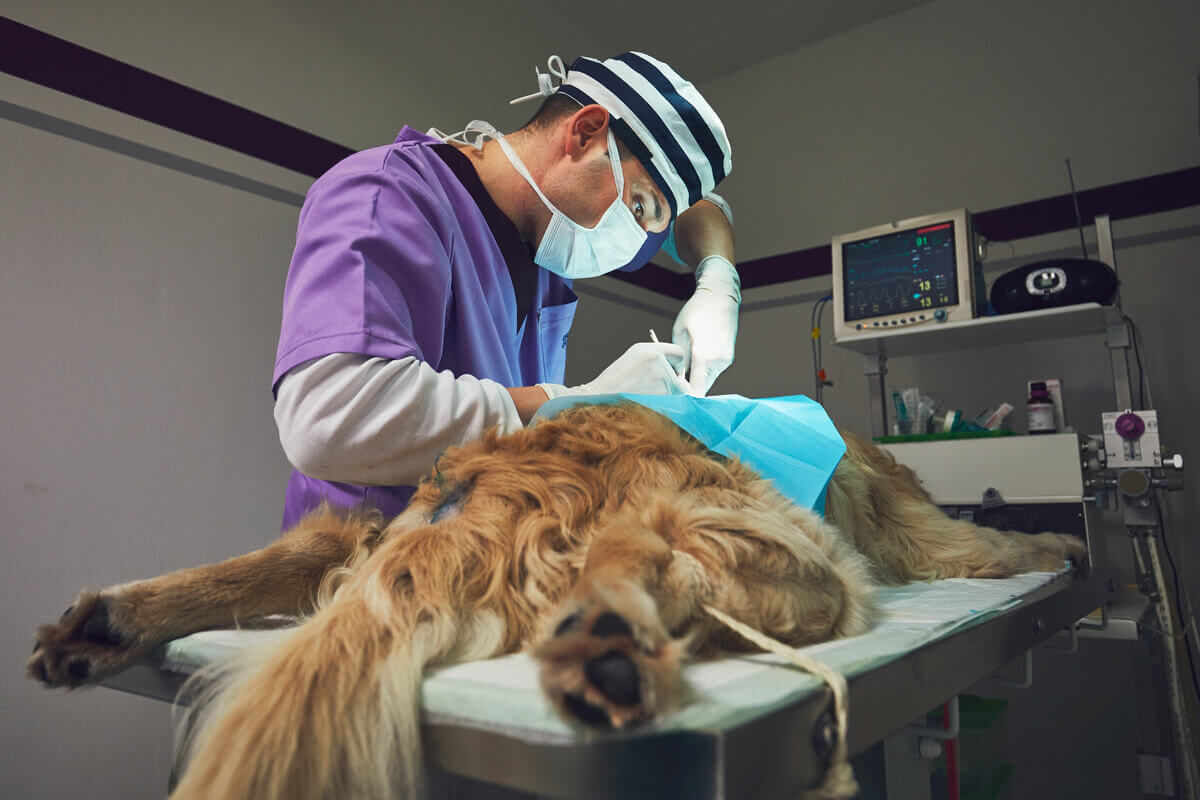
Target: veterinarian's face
(582, 184)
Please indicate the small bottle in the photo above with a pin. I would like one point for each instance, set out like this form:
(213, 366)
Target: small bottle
(1040, 409)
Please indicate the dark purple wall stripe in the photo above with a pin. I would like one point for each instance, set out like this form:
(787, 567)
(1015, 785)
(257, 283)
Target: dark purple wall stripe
(1155, 194)
(659, 279)
(56, 63)
(787, 267)
(39, 57)
(1152, 195)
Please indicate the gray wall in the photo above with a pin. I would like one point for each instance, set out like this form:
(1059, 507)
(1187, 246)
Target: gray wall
(138, 310)
(140, 303)
(957, 103)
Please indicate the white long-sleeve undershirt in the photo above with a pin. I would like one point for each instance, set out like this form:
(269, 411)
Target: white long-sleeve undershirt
(352, 418)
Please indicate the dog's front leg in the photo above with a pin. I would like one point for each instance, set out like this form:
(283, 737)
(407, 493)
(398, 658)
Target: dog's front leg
(104, 632)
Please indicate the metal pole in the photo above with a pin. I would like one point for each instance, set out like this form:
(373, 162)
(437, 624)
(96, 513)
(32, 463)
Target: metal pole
(875, 368)
(1118, 337)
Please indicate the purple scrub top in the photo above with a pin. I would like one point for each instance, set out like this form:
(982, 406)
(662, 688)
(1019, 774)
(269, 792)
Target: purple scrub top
(398, 254)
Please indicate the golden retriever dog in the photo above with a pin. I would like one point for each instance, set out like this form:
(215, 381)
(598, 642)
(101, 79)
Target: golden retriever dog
(593, 539)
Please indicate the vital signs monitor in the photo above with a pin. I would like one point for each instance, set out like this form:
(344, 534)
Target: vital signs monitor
(918, 271)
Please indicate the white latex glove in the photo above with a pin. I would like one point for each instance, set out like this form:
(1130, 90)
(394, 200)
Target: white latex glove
(707, 324)
(645, 368)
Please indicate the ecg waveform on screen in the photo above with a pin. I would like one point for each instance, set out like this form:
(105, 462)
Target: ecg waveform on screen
(901, 272)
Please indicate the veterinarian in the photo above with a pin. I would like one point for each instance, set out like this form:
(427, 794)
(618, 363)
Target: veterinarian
(429, 295)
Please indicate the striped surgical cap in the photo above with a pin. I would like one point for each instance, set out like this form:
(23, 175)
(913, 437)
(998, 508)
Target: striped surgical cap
(659, 116)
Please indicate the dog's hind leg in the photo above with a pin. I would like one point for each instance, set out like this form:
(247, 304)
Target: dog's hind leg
(104, 632)
(881, 507)
(925, 543)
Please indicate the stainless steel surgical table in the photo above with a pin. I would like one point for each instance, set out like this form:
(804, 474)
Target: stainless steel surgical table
(767, 752)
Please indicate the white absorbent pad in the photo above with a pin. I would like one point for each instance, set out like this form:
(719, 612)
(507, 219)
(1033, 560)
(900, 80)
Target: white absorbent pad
(503, 693)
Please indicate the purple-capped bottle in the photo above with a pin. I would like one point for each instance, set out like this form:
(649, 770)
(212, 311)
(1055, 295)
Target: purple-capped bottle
(1039, 409)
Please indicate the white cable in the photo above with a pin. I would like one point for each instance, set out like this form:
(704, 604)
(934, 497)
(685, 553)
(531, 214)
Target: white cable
(839, 778)
(1144, 376)
(1145, 370)
(1188, 770)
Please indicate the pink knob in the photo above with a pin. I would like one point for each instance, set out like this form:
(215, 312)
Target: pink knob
(1130, 426)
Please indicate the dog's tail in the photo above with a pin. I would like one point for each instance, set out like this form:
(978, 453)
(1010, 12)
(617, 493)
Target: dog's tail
(331, 709)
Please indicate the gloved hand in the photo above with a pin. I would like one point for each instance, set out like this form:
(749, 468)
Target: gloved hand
(645, 368)
(706, 327)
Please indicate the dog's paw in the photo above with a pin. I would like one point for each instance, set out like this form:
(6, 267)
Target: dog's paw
(84, 646)
(1076, 553)
(1060, 547)
(610, 664)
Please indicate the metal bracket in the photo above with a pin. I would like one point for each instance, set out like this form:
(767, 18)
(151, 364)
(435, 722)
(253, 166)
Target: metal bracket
(941, 734)
(1070, 649)
(1117, 335)
(992, 498)
(1026, 681)
(1095, 626)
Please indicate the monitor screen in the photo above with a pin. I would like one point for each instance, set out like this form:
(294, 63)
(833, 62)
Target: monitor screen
(895, 273)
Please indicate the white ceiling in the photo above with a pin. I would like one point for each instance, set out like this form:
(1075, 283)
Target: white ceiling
(704, 39)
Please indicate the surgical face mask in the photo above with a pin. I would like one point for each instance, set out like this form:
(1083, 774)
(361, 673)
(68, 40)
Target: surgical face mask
(567, 248)
(573, 251)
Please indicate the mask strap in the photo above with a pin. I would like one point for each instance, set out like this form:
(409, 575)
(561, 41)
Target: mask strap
(519, 166)
(614, 158)
(482, 130)
(546, 85)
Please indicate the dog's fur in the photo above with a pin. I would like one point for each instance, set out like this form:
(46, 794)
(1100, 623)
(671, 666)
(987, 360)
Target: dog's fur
(593, 539)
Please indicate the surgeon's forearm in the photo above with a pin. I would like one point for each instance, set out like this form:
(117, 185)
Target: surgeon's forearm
(701, 231)
(375, 421)
(527, 399)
